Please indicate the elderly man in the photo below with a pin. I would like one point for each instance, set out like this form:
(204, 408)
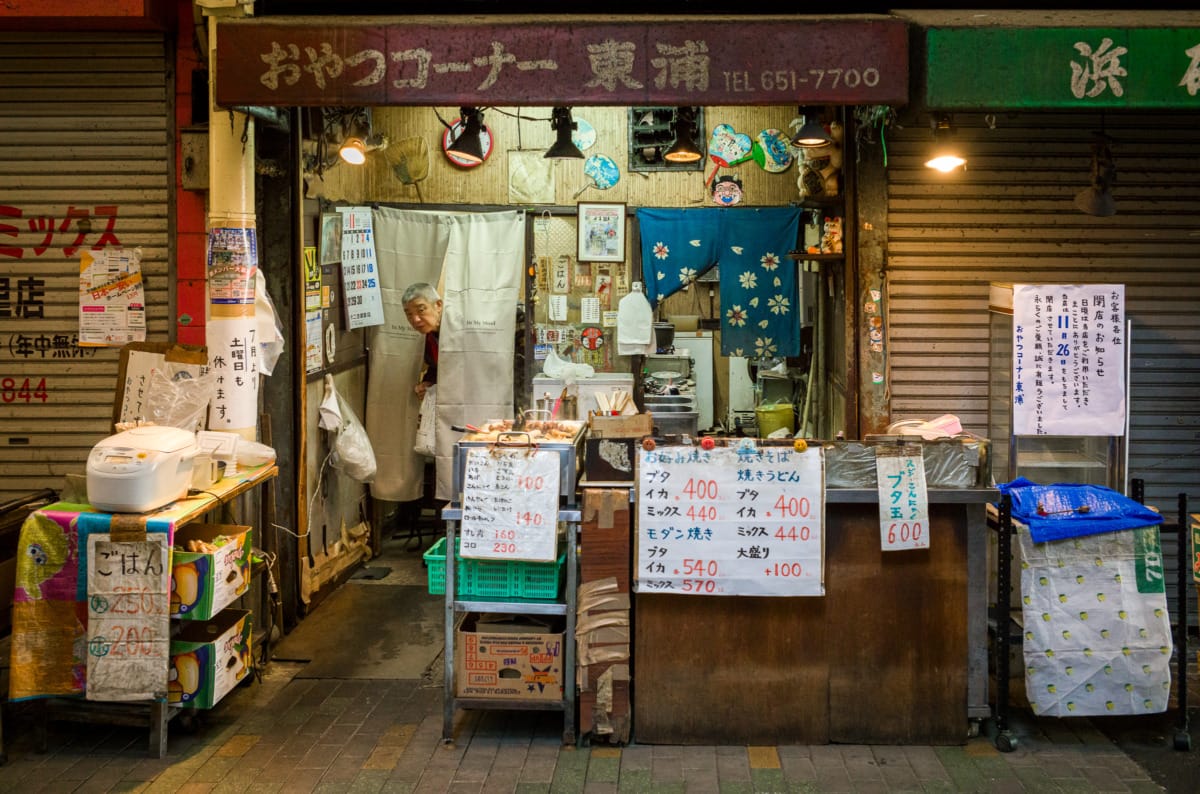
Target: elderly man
(423, 308)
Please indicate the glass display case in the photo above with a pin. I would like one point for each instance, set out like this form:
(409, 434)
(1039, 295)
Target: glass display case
(1044, 459)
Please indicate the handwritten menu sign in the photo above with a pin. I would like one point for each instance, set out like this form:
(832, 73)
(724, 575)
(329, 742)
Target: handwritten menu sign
(1069, 359)
(731, 521)
(903, 497)
(129, 627)
(510, 504)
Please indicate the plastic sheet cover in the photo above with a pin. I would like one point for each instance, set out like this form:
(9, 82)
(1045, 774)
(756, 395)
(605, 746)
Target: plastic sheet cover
(1097, 634)
(948, 464)
(1054, 512)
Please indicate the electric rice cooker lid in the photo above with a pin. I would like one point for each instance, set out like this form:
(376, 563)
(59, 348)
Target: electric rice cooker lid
(153, 438)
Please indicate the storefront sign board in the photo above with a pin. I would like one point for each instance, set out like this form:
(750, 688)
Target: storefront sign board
(995, 68)
(789, 60)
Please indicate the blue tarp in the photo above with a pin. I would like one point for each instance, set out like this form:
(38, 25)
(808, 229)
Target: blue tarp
(1053, 512)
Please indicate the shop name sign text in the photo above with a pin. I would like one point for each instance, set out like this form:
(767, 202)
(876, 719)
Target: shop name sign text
(998, 68)
(754, 61)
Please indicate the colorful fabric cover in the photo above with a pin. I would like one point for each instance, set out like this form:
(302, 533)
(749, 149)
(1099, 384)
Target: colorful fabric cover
(49, 636)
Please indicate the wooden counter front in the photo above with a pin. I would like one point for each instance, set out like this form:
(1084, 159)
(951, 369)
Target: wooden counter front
(885, 657)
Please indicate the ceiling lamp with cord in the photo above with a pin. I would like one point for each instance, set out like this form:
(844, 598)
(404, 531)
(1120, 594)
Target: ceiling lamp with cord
(946, 155)
(563, 125)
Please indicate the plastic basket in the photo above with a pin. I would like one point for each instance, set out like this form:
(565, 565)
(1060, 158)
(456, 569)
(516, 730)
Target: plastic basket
(494, 578)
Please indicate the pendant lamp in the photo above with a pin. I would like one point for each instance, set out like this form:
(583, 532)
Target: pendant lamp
(563, 125)
(946, 155)
(684, 149)
(467, 145)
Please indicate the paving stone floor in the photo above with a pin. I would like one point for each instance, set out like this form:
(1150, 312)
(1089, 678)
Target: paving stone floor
(291, 734)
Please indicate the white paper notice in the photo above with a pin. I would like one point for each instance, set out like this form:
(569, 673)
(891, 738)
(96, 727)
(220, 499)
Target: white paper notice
(360, 271)
(129, 626)
(560, 279)
(744, 521)
(903, 497)
(558, 308)
(589, 310)
(510, 505)
(112, 303)
(610, 319)
(314, 352)
(233, 356)
(1069, 359)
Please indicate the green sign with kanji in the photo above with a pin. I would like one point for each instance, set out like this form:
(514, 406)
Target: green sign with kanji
(1101, 68)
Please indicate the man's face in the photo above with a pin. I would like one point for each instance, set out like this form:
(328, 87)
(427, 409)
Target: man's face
(424, 316)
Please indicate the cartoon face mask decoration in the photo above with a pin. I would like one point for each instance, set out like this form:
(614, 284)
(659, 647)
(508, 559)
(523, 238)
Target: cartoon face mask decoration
(727, 191)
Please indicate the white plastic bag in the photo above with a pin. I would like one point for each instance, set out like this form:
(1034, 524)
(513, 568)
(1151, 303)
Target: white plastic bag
(569, 371)
(352, 452)
(426, 441)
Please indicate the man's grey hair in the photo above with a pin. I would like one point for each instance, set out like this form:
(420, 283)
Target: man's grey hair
(420, 290)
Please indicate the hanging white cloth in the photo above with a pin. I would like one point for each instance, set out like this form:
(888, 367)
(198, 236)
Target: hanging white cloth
(483, 268)
(635, 324)
(480, 257)
(410, 246)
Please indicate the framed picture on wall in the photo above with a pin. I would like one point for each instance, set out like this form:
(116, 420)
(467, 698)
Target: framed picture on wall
(331, 238)
(601, 229)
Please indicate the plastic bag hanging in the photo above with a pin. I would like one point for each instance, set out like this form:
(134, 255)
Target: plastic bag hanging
(352, 451)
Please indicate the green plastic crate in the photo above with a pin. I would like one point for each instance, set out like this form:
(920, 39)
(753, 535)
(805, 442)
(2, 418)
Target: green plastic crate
(494, 578)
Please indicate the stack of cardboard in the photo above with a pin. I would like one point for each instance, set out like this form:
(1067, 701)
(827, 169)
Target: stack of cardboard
(602, 633)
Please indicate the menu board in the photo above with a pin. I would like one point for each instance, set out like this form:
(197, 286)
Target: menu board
(1069, 359)
(903, 497)
(510, 504)
(129, 627)
(731, 521)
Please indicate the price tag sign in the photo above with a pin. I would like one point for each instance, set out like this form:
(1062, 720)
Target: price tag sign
(510, 505)
(731, 521)
(903, 498)
(129, 626)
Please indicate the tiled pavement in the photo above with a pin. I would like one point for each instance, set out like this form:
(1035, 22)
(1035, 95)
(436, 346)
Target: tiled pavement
(288, 734)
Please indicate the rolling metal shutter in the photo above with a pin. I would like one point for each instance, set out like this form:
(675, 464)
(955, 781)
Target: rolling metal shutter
(1010, 218)
(85, 155)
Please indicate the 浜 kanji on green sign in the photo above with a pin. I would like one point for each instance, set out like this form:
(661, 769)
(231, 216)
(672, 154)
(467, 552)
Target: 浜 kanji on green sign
(998, 68)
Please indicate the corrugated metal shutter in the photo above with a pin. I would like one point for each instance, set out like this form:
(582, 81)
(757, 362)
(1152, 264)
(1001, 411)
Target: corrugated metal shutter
(85, 133)
(1010, 218)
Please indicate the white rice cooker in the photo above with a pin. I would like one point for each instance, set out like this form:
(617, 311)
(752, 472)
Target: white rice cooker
(141, 469)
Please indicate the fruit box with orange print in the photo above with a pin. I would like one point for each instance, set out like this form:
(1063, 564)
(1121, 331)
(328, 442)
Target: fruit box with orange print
(210, 568)
(508, 660)
(208, 659)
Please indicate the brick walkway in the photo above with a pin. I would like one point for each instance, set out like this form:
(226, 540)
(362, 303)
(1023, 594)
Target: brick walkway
(289, 734)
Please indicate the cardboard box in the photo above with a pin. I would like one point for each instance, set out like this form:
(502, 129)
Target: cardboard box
(202, 584)
(510, 659)
(209, 659)
(629, 426)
